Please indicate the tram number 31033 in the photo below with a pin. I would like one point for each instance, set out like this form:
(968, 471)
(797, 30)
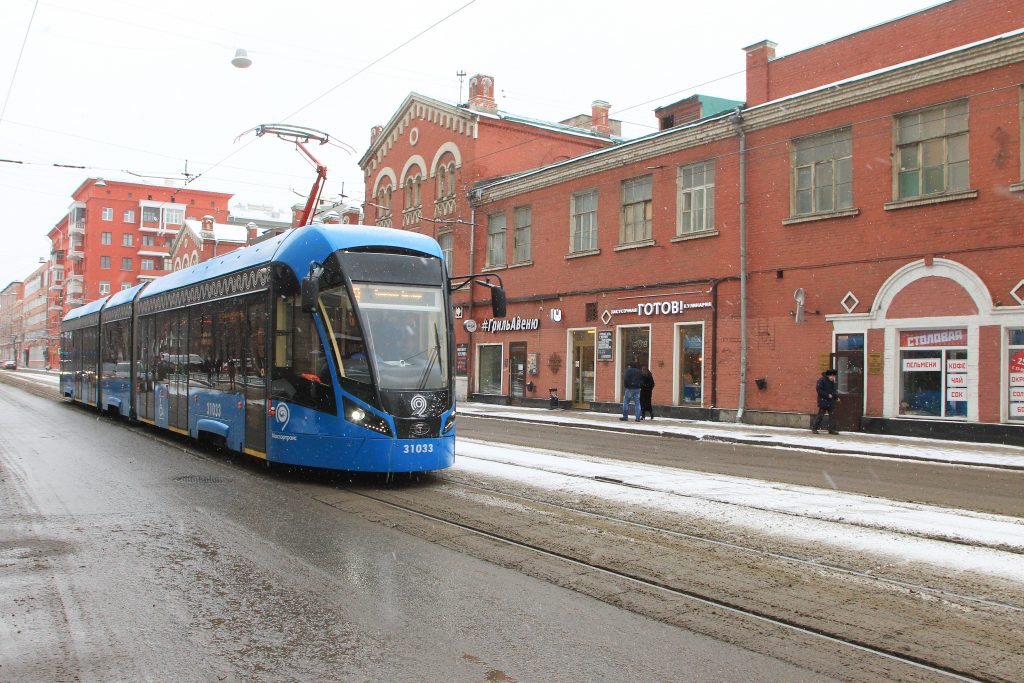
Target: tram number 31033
(213, 409)
(418, 448)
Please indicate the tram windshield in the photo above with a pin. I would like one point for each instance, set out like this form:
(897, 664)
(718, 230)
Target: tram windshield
(402, 326)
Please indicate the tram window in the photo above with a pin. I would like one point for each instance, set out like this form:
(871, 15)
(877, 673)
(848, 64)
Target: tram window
(345, 334)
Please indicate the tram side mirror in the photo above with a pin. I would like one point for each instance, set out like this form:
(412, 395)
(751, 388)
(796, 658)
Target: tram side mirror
(311, 289)
(499, 304)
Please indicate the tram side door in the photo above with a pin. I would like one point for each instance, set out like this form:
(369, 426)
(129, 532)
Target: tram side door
(517, 371)
(254, 374)
(849, 410)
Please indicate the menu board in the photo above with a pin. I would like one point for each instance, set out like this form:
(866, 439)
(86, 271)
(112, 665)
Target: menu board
(604, 345)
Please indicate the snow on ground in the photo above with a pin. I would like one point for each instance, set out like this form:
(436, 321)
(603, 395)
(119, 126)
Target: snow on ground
(958, 539)
(852, 444)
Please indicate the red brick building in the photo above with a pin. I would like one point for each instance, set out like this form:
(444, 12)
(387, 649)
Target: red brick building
(862, 210)
(115, 235)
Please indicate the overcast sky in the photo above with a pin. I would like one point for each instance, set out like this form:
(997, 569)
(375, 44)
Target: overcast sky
(127, 87)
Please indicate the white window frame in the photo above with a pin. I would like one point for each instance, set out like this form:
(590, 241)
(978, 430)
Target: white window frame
(127, 259)
(129, 216)
(690, 194)
(445, 240)
(107, 213)
(144, 267)
(104, 260)
(587, 232)
(104, 287)
(636, 194)
(127, 240)
(105, 238)
(918, 145)
(496, 240)
(523, 238)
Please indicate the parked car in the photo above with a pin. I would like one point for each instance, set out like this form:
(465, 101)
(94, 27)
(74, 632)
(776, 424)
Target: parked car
(10, 365)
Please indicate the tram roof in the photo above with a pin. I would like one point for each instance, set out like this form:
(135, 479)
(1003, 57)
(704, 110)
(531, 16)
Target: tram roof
(124, 296)
(86, 309)
(296, 248)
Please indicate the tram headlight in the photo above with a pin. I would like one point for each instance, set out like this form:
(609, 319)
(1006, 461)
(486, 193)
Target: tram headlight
(449, 424)
(359, 416)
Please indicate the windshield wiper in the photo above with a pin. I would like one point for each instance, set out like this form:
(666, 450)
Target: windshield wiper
(435, 354)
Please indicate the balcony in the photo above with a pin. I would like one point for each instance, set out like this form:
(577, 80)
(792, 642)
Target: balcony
(76, 253)
(57, 286)
(74, 300)
(76, 228)
(74, 277)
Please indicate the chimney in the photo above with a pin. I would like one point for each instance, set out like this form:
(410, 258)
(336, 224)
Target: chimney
(759, 55)
(208, 224)
(297, 210)
(481, 94)
(332, 218)
(375, 133)
(350, 217)
(250, 232)
(599, 117)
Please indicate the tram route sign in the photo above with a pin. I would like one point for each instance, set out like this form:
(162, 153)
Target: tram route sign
(604, 345)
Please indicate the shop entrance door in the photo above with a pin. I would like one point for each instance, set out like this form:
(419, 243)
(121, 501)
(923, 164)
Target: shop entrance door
(849, 365)
(582, 369)
(517, 372)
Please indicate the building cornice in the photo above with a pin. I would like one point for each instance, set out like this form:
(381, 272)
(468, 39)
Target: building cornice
(964, 61)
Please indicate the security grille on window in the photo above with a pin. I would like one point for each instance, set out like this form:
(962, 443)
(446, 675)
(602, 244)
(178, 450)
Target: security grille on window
(823, 173)
(696, 197)
(931, 146)
(496, 239)
(636, 210)
(584, 221)
(590, 312)
(524, 221)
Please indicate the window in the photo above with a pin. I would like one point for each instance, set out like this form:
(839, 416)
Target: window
(126, 285)
(126, 264)
(150, 214)
(104, 287)
(148, 241)
(524, 220)
(691, 363)
(127, 239)
(129, 216)
(413, 187)
(174, 216)
(496, 239)
(636, 210)
(931, 147)
(445, 240)
(441, 182)
(634, 346)
(584, 222)
(107, 213)
(147, 264)
(696, 197)
(104, 238)
(934, 375)
(105, 262)
(823, 173)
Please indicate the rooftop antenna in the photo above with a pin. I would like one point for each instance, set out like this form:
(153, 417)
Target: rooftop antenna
(300, 136)
(461, 74)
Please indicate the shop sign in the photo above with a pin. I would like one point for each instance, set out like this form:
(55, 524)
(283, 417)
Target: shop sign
(1017, 393)
(516, 324)
(461, 359)
(652, 308)
(956, 365)
(532, 362)
(604, 345)
(1017, 379)
(1017, 362)
(954, 395)
(955, 337)
(1017, 410)
(922, 364)
(959, 380)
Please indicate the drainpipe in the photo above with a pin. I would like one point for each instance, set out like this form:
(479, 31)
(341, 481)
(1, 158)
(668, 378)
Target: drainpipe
(470, 352)
(737, 122)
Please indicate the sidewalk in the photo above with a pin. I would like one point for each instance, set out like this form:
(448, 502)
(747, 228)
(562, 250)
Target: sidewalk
(851, 443)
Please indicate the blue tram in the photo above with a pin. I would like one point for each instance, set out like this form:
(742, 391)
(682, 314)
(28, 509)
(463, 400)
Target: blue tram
(324, 346)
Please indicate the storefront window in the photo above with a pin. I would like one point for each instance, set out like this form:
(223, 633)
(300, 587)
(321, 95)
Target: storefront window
(635, 346)
(1016, 374)
(691, 363)
(934, 378)
(489, 369)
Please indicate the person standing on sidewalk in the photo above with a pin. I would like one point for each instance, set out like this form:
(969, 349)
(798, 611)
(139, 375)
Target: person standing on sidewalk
(631, 391)
(826, 389)
(646, 389)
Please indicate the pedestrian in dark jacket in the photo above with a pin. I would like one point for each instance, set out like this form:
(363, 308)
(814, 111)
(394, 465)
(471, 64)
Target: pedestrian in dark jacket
(826, 390)
(646, 389)
(631, 391)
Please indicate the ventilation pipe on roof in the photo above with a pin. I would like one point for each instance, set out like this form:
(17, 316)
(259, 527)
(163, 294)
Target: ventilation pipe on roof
(741, 404)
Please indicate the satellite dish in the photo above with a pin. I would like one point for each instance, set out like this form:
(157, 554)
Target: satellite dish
(799, 296)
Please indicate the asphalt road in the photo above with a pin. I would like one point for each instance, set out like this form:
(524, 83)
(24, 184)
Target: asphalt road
(982, 489)
(128, 556)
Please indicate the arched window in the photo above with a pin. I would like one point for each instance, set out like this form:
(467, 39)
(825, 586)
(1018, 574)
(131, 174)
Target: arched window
(417, 199)
(451, 180)
(442, 177)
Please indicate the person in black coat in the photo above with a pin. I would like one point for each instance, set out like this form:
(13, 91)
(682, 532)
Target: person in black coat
(826, 390)
(646, 389)
(631, 391)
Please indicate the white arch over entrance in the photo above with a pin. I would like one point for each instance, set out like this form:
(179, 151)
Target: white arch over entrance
(940, 267)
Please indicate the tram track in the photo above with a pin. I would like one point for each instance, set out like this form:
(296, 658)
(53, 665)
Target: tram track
(918, 663)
